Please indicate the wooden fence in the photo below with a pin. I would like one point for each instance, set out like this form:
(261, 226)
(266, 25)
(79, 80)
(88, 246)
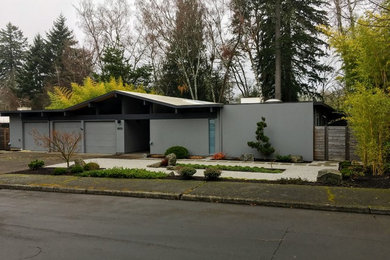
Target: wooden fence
(334, 143)
(4, 138)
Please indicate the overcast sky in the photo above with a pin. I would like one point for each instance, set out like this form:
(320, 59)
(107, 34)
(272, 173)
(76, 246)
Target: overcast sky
(37, 16)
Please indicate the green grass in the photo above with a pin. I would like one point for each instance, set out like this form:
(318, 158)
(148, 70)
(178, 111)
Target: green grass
(233, 168)
(124, 173)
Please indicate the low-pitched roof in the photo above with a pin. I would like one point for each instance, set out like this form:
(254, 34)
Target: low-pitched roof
(173, 102)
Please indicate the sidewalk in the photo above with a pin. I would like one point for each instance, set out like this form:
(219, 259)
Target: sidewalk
(375, 201)
(305, 171)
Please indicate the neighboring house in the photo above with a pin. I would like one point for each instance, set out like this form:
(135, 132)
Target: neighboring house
(125, 122)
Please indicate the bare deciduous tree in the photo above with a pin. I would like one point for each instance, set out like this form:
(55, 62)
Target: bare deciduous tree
(65, 143)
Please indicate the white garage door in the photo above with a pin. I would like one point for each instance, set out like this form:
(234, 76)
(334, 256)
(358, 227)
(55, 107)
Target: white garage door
(100, 137)
(72, 127)
(29, 143)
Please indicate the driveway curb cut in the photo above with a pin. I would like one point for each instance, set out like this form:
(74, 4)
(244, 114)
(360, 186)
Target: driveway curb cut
(189, 197)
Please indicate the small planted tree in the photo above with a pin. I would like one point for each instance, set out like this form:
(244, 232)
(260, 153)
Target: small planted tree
(66, 144)
(262, 144)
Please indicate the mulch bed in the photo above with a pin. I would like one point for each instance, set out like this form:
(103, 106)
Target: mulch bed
(381, 182)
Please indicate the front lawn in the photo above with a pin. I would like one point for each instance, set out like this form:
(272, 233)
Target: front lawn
(233, 168)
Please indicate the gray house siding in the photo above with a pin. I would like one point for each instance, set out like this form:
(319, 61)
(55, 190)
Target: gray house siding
(70, 127)
(290, 128)
(190, 133)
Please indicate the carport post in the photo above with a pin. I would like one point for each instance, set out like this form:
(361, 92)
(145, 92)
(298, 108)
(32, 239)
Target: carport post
(82, 127)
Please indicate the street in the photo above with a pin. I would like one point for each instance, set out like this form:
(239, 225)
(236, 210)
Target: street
(37, 225)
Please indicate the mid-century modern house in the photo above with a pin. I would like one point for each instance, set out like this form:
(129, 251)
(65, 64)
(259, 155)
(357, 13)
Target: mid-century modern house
(126, 122)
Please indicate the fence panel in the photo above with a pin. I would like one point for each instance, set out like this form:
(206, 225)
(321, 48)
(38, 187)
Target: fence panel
(4, 138)
(334, 143)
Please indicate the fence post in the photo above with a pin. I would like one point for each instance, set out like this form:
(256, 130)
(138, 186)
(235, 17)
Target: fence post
(326, 155)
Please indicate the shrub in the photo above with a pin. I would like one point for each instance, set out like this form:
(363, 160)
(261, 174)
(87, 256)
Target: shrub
(212, 173)
(262, 144)
(76, 169)
(60, 171)
(283, 158)
(180, 152)
(36, 164)
(344, 164)
(187, 172)
(91, 166)
(349, 172)
(232, 168)
(124, 173)
(219, 156)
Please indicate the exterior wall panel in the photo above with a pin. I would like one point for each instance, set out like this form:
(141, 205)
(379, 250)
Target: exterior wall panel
(290, 128)
(190, 133)
(16, 132)
(70, 127)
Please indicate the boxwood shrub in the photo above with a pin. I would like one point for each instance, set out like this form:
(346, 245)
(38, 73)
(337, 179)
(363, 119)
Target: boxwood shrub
(76, 169)
(91, 166)
(180, 152)
(187, 172)
(212, 174)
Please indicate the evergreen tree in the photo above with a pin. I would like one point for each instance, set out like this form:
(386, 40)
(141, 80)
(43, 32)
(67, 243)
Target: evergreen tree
(300, 45)
(285, 31)
(262, 144)
(116, 65)
(34, 72)
(12, 52)
(59, 38)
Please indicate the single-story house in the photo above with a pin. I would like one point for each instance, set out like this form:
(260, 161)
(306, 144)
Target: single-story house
(126, 122)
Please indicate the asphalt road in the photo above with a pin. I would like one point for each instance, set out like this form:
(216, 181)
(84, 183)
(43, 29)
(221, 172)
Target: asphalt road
(35, 225)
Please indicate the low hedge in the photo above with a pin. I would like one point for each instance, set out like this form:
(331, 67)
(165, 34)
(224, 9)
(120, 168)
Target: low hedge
(124, 173)
(233, 168)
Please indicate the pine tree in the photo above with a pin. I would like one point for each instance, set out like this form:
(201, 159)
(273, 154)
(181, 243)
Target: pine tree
(59, 38)
(34, 72)
(12, 52)
(262, 144)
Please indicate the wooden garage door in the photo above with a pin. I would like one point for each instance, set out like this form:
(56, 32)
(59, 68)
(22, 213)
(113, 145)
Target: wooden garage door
(69, 127)
(28, 139)
(100, 137)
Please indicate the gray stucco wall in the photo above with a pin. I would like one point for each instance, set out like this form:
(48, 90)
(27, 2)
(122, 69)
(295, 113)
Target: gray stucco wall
(136, 136)
(290, 128)
(190, 133)
(16, 132)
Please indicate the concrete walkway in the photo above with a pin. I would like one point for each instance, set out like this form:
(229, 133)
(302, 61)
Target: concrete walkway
(292, 170)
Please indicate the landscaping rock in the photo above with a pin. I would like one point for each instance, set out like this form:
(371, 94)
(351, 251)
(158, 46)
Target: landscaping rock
(79, 162)
(155, 165)
(329, 177)
(171, 159)
(171, 174)
(296, 158)
(247, 157)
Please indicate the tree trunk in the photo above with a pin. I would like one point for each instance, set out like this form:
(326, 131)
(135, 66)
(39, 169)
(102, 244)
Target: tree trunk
(278, 54)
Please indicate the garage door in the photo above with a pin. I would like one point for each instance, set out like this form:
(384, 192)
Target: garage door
(69, 127)
(100, 137)
(29, 144)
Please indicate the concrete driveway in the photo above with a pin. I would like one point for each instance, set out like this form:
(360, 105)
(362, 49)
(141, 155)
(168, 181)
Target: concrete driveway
(292, 170)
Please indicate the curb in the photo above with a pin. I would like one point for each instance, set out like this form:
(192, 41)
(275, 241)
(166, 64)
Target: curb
(136, 194)
(200, 198)
(280, 204)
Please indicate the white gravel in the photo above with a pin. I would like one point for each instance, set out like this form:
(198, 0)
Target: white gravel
(298, 170)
